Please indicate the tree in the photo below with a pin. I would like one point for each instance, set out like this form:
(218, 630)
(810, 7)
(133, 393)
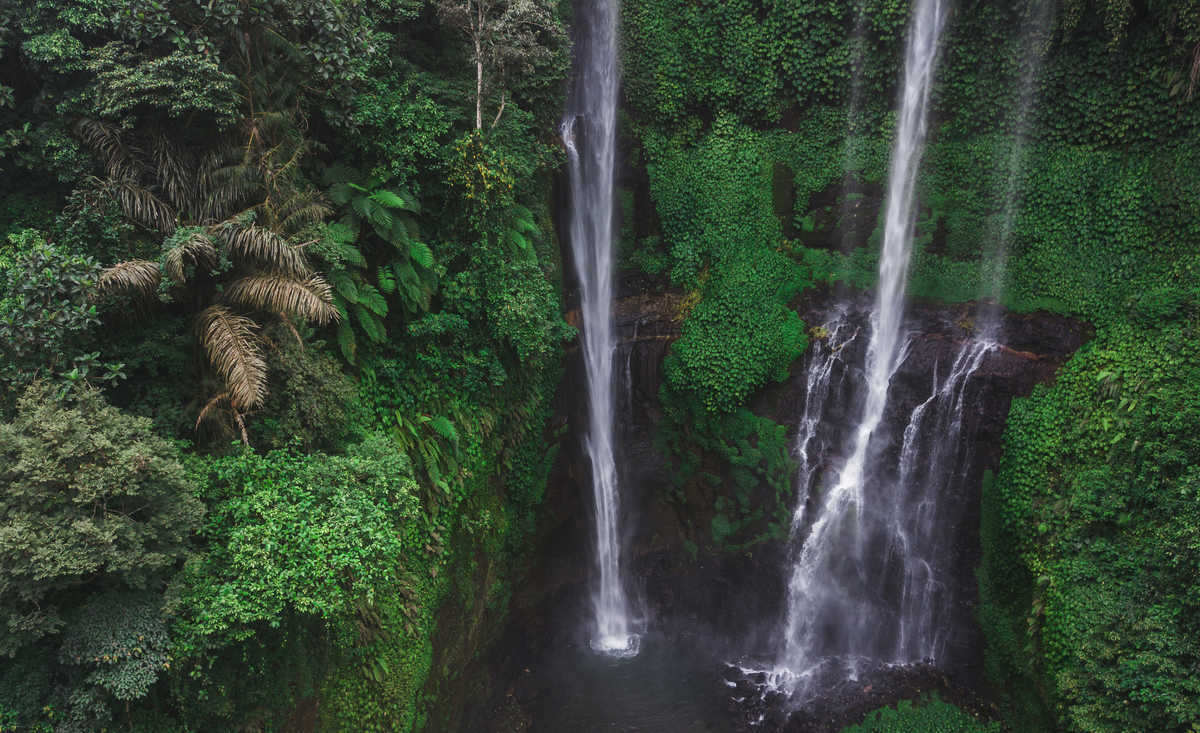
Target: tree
(504, 36)
(91, 500)
(231, 215)
(47, 320)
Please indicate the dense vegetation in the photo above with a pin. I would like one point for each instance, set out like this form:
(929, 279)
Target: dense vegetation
(281, 326)
(281, 323)
(928, 716)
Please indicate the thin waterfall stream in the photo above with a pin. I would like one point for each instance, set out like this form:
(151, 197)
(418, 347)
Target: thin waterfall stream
(995, 262)
(833, 624)
(589, 135)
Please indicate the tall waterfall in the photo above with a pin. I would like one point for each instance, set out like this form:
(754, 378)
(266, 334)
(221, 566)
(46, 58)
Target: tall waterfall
(589, 134)
(833, 624)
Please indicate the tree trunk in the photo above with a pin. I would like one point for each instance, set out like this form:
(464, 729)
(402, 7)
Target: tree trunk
(478, 38)
(478, 90)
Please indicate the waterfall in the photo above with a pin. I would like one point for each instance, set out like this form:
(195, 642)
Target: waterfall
(995, 264)
(824, 367)
(589, 135)
(832, 622)
(933, 455)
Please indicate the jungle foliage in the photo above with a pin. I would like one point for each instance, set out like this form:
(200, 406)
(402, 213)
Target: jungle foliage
(280, 328)
(272, 222)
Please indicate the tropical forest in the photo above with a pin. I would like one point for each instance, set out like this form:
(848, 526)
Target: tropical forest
(600, 366)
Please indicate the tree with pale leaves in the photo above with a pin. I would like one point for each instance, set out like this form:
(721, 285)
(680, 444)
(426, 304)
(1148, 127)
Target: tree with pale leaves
(504, 37)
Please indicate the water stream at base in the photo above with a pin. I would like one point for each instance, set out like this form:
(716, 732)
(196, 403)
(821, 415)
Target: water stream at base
(589, 134)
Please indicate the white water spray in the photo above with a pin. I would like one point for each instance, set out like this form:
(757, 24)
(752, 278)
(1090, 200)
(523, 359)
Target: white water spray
(1033, 40)
(589, 134)
(829, 618)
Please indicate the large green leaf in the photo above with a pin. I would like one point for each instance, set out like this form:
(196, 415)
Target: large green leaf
(341, 193)
(372, 299)
(386, 280)
(344, 285)
(346, 341)
(350, 254)
(421, 254)
(371, 324)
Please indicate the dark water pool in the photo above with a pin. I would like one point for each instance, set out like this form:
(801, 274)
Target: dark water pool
(670, 687)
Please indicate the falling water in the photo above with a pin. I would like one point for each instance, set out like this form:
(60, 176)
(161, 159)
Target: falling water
(589, 134)
(825, 368)
(1033, 40)
(829, 619)
(932, 458)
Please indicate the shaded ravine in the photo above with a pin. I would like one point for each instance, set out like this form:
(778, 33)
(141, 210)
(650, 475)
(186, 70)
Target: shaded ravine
(713, 605)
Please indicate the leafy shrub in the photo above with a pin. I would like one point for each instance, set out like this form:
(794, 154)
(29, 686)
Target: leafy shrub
(1089, 569)
(92, 499)
(927, 716)
(289, 533)
(120, 638)
(314, 404)
(47, 320)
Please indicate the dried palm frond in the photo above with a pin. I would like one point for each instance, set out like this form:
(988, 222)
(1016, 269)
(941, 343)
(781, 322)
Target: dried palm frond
(175, 173)
(286, 296)
(219, 409)
(264, 246)
(227, 186)
(134, 276)
(301, 208)
(141, 205)
(232, 345)
(120, 161)
(197, 248)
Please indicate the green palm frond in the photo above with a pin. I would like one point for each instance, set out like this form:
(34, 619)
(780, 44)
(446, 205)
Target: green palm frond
(228, 186)
(286, 296)
(233, 347)
(131, 277)
(301, 208)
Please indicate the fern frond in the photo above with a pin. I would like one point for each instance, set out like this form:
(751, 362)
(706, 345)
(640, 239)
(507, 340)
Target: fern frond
(394, 200)
(445, 428)
(197, 248)
(134, 276)
(310, 298)
(264, 246)
(233, 347)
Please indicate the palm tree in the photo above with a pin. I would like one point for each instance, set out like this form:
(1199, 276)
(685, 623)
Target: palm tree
(231, 217)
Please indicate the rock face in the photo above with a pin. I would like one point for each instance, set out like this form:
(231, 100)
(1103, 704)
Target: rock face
(685, 585)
